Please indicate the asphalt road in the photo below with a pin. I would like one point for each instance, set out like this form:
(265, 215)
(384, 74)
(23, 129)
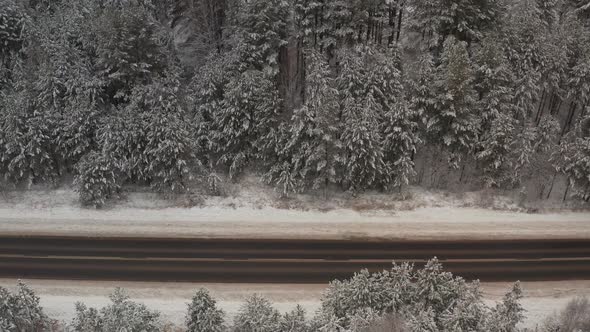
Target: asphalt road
(282, 261)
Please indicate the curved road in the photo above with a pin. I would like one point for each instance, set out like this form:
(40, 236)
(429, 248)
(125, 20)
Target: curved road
(285, 261)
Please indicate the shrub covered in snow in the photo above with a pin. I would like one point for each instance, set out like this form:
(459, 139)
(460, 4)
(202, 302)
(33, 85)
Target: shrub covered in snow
(257, 315)
(203, 314)
(97, 179)
(429, 299)
(20, 311)
(573, 318)
(122, 315)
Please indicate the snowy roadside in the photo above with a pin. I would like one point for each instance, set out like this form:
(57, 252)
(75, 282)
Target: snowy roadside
(171, 299)
(256, 215)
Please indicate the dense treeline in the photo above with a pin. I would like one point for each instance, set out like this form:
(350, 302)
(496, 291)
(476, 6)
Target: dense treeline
(411, 300)
(312, 94)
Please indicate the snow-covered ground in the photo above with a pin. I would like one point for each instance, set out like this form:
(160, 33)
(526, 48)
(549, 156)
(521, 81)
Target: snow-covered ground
(171, 299)
(255, 211)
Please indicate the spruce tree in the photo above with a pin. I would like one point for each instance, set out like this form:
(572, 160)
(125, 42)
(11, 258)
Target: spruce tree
(310, 149)
(454, 121)
(363, 161)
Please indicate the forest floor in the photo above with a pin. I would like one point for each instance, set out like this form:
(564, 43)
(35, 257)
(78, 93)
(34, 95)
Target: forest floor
(541, 299)
(251, 209)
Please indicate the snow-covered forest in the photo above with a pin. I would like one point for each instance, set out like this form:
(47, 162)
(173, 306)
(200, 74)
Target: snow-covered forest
(399, 300)
(306, 94)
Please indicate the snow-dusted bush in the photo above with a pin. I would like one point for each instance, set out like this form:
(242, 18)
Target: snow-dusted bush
(127, 48)
(203, 314)
(122, 315)
(294, 321)
(165, 154)
(243, 119)
(574, 317)
(573, 158)
(429, 299)
(97, 179)
(257, 315)
(26, 148)
(12, 20)
(387, 323)
(20, 311)
(152, 139)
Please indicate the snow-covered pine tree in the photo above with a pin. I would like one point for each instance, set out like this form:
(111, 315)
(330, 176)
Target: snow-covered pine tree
(257, 315)
(97, 178)
(399, 125)
(400, 142)
(127, 48)
(121, 314)
(435, 20)
(509, 313)
(20, 311)
(428, 298)
(493, 83)
(203, 314)
(26, 148)
(166, 152)
(294, 321)
(573, 158)
(263, 24)
(422, 95)
(65, 90)
(364, 163)
(453, 121)
(13, 34)
(309, 152)
(522, 36)
(244, 117)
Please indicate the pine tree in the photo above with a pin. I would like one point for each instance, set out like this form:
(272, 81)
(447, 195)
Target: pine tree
(263, 24)
(26, 146)
(509, 313)
(573, 158)
(257, 315)
(128, 50)
(294, 321)
(364, 163)
(203, 314)
(364, 160)
(243, 119)
(522, 35)
(167, 157)
(400, 141)
(121, 315)
(309, 152)
(453, 120)
(97, 178)
(435, 20)
(20, 311)
(493, 84)
(428, 298)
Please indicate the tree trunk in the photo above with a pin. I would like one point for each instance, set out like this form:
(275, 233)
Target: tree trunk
(567, 188)
(551, 186)
(568, 121)
(399, 22)
(540, 110)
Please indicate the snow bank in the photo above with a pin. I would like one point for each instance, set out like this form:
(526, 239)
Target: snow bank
(254, 211)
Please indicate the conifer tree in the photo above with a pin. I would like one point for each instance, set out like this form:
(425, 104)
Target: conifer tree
(203, 314)
(454, 119)
(310, 150)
